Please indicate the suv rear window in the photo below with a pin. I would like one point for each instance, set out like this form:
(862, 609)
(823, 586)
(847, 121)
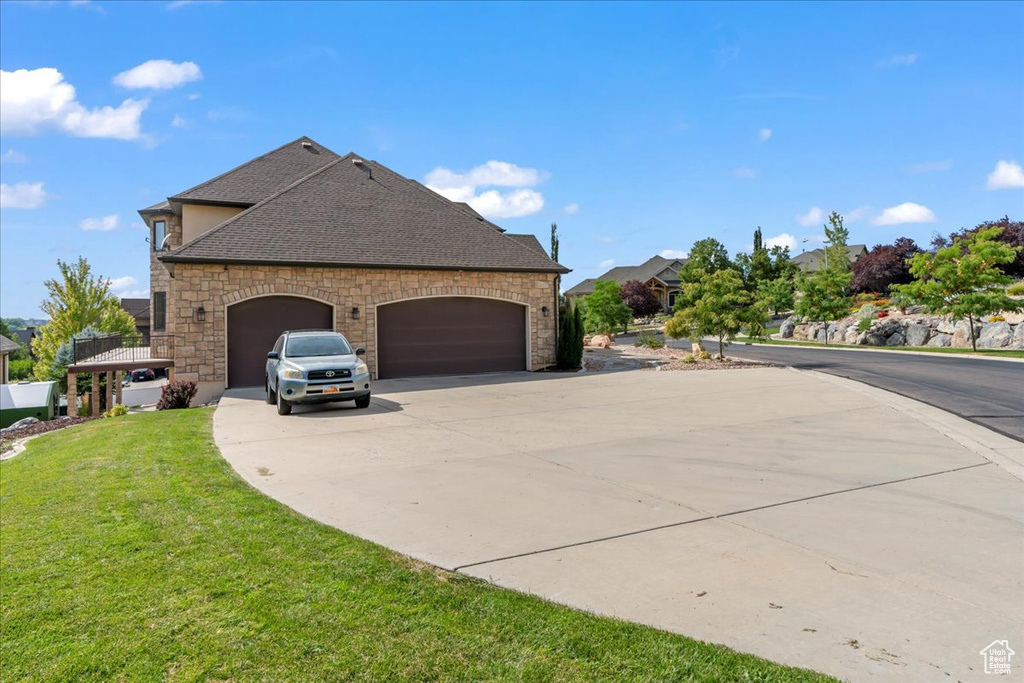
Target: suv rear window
(327, 345)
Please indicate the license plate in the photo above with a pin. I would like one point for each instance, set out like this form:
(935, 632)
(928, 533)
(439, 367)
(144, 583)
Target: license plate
(331, 389)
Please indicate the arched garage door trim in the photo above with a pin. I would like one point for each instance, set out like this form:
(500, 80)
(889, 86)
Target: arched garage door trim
(227, 326)
(527, 313)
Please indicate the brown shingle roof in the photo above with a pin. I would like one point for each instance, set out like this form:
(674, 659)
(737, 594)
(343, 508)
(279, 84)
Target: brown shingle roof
(8, 346)
(265, 175)
(137, 308)
(368, 215)
(528, 241)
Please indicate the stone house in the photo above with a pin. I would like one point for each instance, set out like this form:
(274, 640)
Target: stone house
(302, 238)
(659, 273)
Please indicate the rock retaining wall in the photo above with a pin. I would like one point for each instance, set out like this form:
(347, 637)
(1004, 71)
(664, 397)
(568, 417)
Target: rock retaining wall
(913, 329)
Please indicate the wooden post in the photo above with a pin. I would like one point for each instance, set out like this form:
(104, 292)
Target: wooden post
(94, 399)
(110, 389)
(117, 380)
(72, 395)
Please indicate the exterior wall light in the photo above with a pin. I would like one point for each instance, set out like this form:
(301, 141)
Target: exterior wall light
(200, 315)
(544, 310)
(355, 313)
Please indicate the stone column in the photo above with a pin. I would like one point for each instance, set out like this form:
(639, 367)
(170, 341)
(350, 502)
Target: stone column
(170, 374)
(94, 399)
(110, 389)
(72, 395)
(117, 382)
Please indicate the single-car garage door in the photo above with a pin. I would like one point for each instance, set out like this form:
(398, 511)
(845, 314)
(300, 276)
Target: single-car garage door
(255, 324)
(450, 336)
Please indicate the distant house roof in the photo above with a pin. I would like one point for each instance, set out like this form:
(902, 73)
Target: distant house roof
(812, 260)
(26, 336)
(650, 268)
(351, 212)
(136, 308)
(8, 346)
(261, 177)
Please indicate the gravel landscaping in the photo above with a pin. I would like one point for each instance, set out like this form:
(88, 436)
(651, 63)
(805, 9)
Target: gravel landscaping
(9, 436)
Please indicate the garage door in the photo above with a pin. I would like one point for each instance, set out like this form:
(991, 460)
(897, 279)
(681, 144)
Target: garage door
(450, 336)
(254, 325)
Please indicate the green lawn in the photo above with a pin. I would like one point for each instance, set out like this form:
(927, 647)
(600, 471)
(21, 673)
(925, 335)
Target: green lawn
(999, 353)
(129, 550)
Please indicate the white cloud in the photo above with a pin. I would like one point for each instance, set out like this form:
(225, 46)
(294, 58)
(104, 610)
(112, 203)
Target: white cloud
(783, 240)
(1007, 175)
(572, 209)
(813, 216)
(744, 172)
(931, 166)
(21, 196)
(673, 253)
(608, 263)
(12, 157)
(859, 214)
(898, 60)
(907, 212)
(104, 224)
(120, 283)
(34, 101)
(179, 122)
(764, 135)
(159, 74)
(463, 187)
(126, 287)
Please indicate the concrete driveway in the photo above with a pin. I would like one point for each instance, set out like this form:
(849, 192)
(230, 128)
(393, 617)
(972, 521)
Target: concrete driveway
(802, 517)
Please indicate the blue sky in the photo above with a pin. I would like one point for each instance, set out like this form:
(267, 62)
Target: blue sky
(639, 128)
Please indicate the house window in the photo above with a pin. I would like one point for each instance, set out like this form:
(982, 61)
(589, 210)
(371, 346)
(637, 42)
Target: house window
(159, 235)
(672, 299)
(159, 311)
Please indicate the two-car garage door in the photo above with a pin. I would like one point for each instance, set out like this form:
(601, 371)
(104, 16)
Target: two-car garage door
(450, 336)
(432, 336)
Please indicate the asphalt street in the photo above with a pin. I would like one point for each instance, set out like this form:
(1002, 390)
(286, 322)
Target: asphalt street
(987, 392)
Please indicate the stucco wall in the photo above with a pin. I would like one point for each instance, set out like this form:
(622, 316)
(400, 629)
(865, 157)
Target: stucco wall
(197, 219)
(201, 348)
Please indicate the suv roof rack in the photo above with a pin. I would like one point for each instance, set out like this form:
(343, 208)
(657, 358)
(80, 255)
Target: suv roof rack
(318, 329)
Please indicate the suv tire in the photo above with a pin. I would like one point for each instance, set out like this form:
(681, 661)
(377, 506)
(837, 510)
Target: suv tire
(283, 406)
(363, 401)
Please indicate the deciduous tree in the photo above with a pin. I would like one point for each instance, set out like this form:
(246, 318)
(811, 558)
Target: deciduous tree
(884, 266)
(605, 312)
(964, 279)
(718, 305)
(642, 301)
(706, 256)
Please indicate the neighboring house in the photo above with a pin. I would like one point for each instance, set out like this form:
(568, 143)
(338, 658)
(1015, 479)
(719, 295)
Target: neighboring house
(138, 309)
(658, 273)
(304, 238)
(25, 338)
(7, 347)
(811, 261)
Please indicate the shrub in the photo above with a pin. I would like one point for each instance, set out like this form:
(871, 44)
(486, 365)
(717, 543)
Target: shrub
(648, 340)
(688, 358)
(1016, 289)
(996, 319)
(704, 355)
(20, 369)
(864, 324)
(882, 314)
(176, 395)
(867, 311)
(117, 411)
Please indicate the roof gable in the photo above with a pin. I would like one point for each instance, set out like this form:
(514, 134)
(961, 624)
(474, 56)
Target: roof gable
(366, 215)
(261, 177)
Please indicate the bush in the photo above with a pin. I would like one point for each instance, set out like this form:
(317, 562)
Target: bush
(996, 319)
(648, 340)
(20, 369)
(569, 354)
(864, 324)
(704, 355)
(688, 358)
(1016, 289)
(176, 395)
(117, 411)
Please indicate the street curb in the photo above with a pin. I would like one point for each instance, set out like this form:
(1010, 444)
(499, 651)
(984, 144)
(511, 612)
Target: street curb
(870, 349)
(1001, 450)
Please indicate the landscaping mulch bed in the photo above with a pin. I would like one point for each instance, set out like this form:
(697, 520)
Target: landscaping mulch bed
(7, 438)
(672, 359)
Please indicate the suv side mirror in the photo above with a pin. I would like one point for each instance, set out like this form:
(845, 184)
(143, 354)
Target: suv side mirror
(273, 355)
(360, 351)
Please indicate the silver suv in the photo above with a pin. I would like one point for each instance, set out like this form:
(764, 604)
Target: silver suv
(315, 366)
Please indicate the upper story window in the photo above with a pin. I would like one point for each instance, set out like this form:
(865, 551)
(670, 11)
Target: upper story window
(159, 311)
(159, 235)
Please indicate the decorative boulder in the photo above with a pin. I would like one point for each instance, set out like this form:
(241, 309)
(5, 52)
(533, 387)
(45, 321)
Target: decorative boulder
(786, 329)
(875, 338)
(896, 340)
(601, 341)
(995, 336)
(946, 326)
(851, 335)
(1018, 337)
(917, 335)
(941, 340)
(696, 348)
(962, 334)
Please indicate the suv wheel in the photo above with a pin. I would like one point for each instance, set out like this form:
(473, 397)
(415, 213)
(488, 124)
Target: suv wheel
(270, 394)
(363, 401)
(283, 406)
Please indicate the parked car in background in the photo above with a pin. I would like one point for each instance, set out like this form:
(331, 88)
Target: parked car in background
(143, 375)
(316, 366)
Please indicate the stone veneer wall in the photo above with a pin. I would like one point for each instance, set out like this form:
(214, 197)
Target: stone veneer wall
(160, 281)
(201, 348)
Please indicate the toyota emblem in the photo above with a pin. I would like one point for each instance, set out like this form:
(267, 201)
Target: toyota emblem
(329, 373)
